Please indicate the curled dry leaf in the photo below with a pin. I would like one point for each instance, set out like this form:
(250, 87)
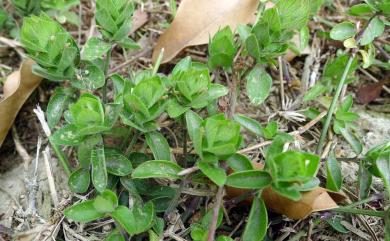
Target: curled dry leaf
(196, 21)
(318, 199)
(17, 88)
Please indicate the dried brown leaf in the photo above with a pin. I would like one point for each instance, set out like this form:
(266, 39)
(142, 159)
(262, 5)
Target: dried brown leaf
(196, 21)
(17, 88)
(368, 93)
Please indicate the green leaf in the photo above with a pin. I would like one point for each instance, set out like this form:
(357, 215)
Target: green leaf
(216, 174)
(374, 29)
(106, 202)
(159, 145)
(364, 180)
(335, 222)
(194, 129)
(85, 147)
(294, 14)
(115, 235)
(222, 49)
(352, 140)
(83, 212)
(68, 135)
(334, 177)
(239, 162)
(79, 180)
(157, 169)
(252, 179)
(99, 172)
(346, 116)
(258, 85)
(57, 104)
(383, 165)
(256, 227)
(317, 90)
(253, 47)
(270, 130)
(174, 109)
(90, 77)
(94, 48)
(343, 31)
(116, 163)
(137, 220)
(87, 112)
(304, 36)
(248, 123)
(360, 10)
(294, 166)
(224, 238)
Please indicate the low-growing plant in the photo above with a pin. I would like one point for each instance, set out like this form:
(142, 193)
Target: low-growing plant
(122, 176)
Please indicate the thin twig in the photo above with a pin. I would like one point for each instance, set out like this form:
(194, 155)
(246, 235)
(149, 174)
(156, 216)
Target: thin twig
(214, 220)
(50, 179)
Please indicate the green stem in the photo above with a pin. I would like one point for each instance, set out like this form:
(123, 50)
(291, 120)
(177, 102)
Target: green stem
(106, 68)
(133, 141)
(158, 61)
(61, 156)
(373, 213)
(333, 104)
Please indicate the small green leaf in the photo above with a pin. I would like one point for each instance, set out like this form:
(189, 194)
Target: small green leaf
(239, 162)
(94, 48)
(364, 180)
(116, 163)
(360, 10)
(224, 238)
(79, 180)
(270, 130)
(157, 169)
(334, 177)
(216, 174)
(83, 212)
(317, 90)
(137, 220)
(352, 140)
(85, 147)
(90, 77)
(342, 31)
(194, 128)
(252, 46)
(57, 104)
(106, 202)
(99, 172)
(159, 145)
(248, 123)
(335, 222)
(374, 29)
(115, 235)
(258, 85)
(68, 135)
(252, 179)
(256, 227)
(294, 14)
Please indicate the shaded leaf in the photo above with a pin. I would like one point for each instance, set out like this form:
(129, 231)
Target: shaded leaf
(374, 29)
(137, 220)
(106, 202)
(159, 145)
(216, 174)
(257, 225)
(248, 123)
(239, 162)
(79, 180)
(352, 140)
(116, 163)
(94, 48)
(196, 21)
(115, 235)
(99, 172)
(57, 104)
(343, 31)
(334, 177)
(194, 128)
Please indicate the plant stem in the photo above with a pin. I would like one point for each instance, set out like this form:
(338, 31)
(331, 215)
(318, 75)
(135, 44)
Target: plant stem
(373, 213)
(61, 156)
(214, 220)
(106, 68)
(334, 103)
(158, 61)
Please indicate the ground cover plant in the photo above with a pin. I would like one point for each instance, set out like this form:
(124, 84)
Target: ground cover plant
(144, 148)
